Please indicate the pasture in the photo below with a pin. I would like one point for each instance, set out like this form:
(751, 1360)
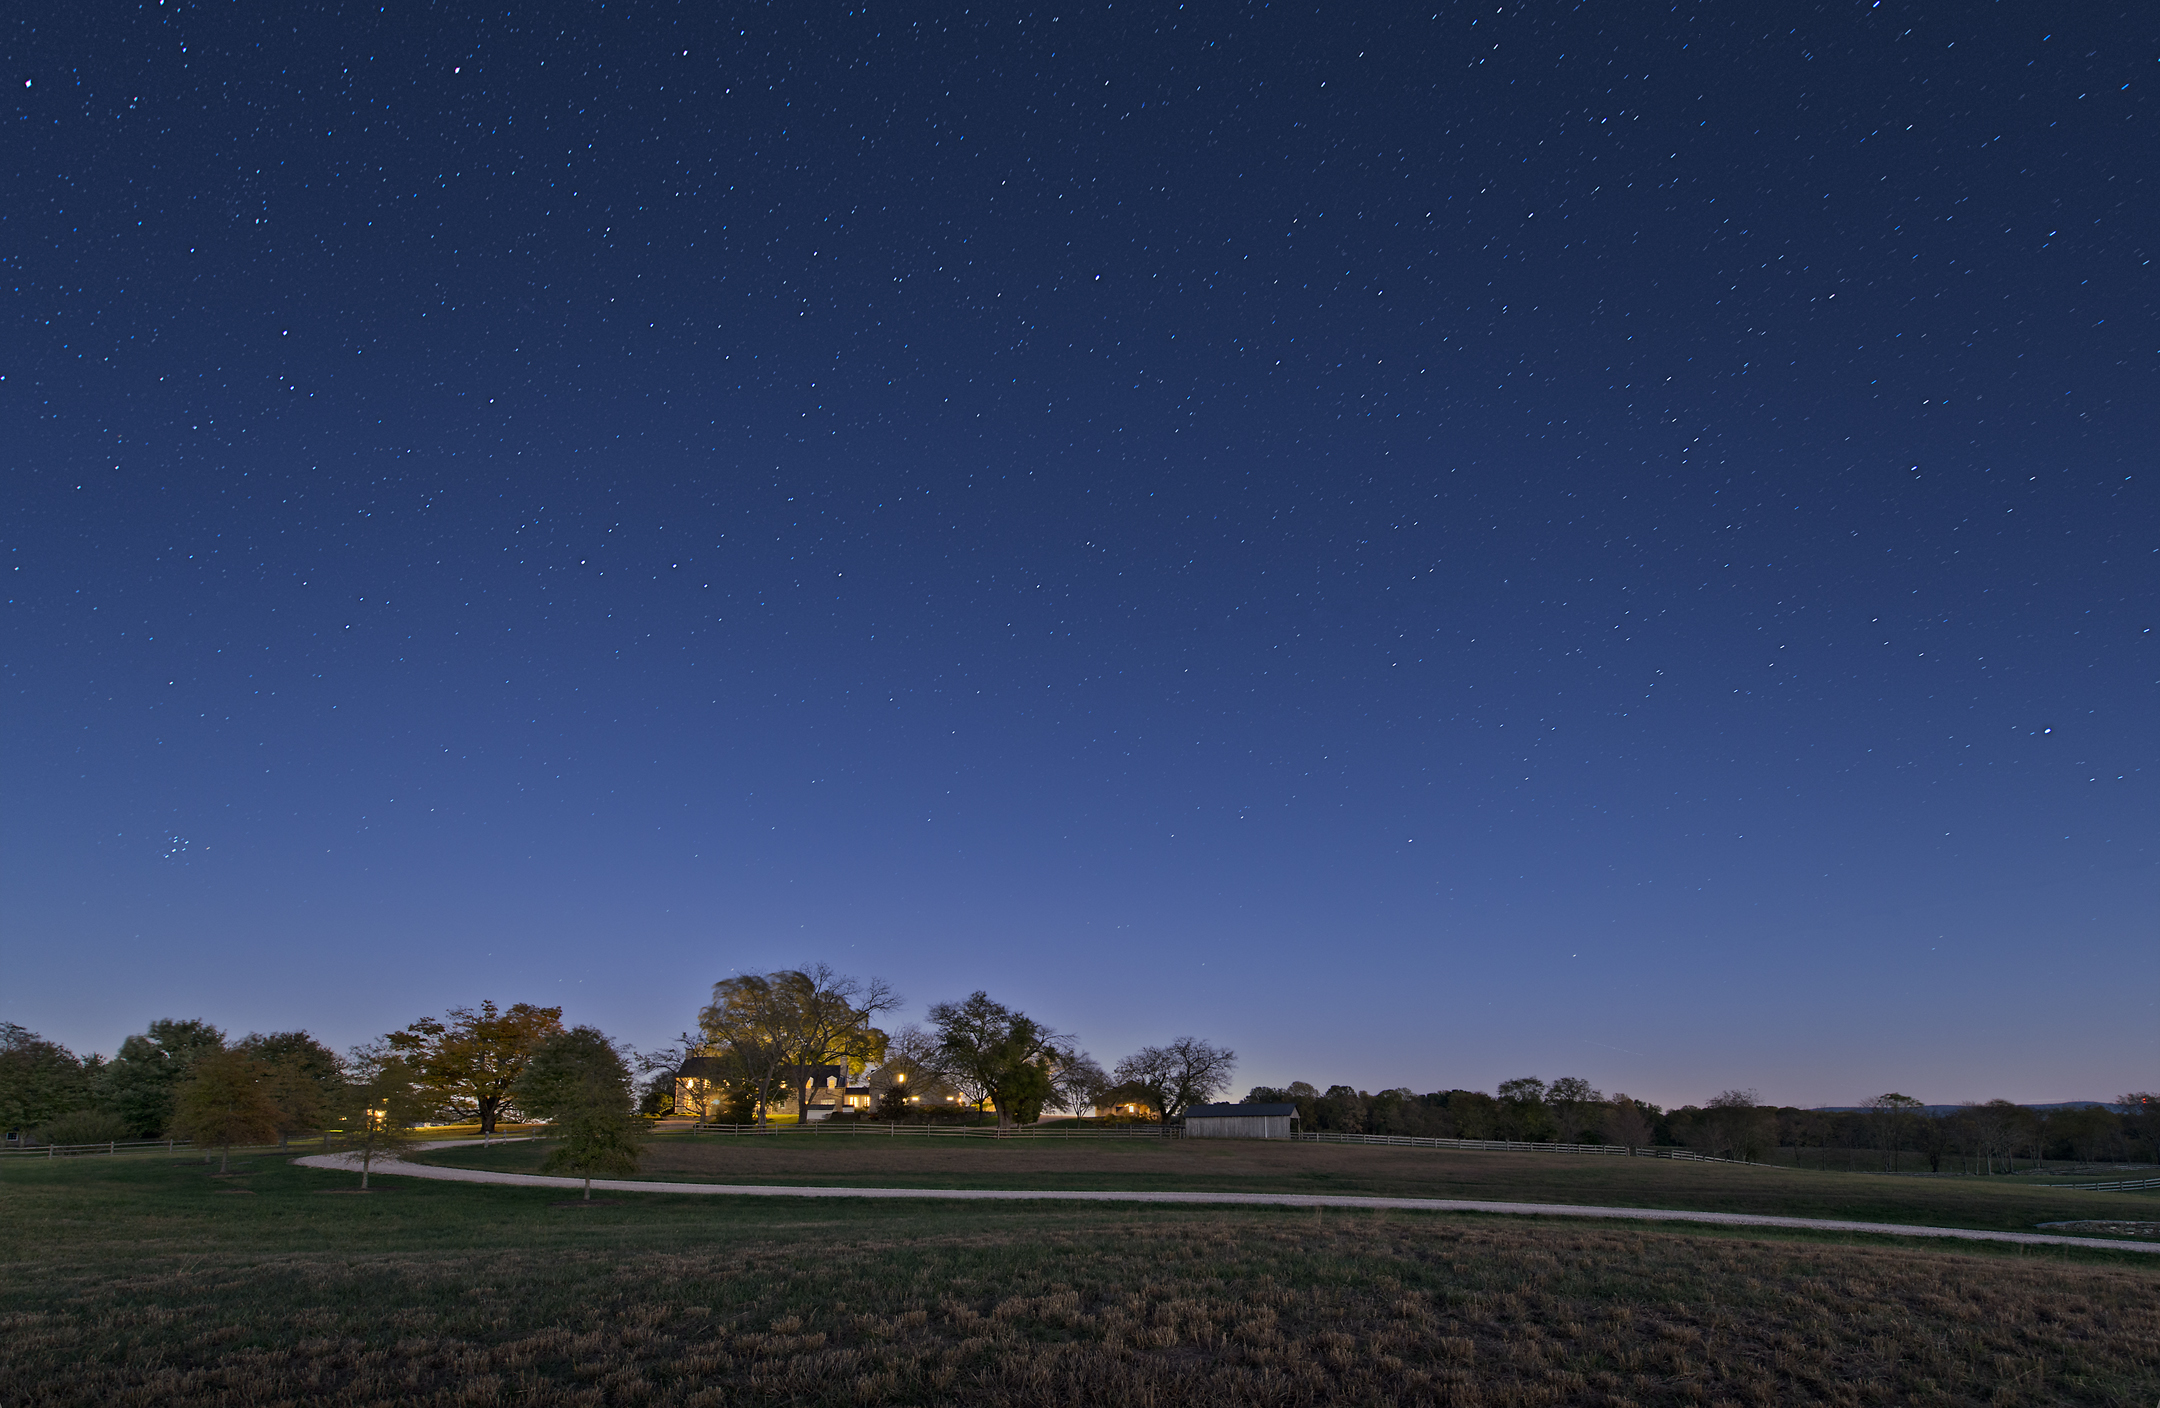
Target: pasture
(148, 1280)
(873, 1159)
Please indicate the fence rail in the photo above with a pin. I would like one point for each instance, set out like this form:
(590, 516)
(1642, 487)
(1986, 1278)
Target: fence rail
(2120, 1185)
(828, 1129)
(1407, 1141)
(103, 1146)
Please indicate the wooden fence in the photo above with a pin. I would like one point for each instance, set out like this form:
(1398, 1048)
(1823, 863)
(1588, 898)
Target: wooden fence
(107, 1146)
(890, 1130)
(1406, 1141)
(2120, 1185)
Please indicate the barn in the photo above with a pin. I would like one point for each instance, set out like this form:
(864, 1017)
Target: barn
(1240, 1121)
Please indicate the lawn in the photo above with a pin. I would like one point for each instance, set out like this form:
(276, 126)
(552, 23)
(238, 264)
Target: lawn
(1258, 1166)
(148, 1280)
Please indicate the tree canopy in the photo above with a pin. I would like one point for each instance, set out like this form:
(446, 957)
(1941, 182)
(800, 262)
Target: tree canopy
(999, 1054)
(301, 1077)
(141, 1080)
(40, 1080)
(467, 1062)
(592, 1118)
(223, 1101)
(563, 1070)
(1180, 1074)
(773, 1030)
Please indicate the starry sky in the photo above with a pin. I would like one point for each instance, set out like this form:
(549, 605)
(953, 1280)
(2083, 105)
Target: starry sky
(1426, 546)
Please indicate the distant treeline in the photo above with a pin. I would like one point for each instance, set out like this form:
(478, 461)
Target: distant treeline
(186, 1079)
(1891, 1132)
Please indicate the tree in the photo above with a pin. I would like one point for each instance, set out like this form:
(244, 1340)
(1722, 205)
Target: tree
(1185, 1072)
(824, 1020)
(598, 1136)
(1624, 1123)
(40, 1080)
(303, 1077)
(565, 1069)
(1735, 1126)
(223, 1102)
(1575, 1105)
(1890, 1114)
(656, 1093)
(140, 1080)
(85, 1127)
(1523, 1112)
(1080, 1082)
(379, 1103)
(2141, 1121)
(911, 1079)
(467, 1064)
(998, 1054)
(745, 1026)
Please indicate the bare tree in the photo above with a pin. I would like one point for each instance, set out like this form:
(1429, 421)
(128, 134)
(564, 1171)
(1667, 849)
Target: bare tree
(1890, 1114)
(907, 1076)
(1185, 1072)
(1996, 1128)
(1079, 1081)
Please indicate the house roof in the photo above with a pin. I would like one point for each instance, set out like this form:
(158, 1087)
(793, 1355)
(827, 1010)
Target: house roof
(702, 1068)
(716, 1068)
(1232, 1112)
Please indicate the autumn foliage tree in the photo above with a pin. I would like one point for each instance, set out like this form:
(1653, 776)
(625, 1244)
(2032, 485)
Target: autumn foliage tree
(301, 1076)
(467, 1061)
(223, 1101)
(773, 1030)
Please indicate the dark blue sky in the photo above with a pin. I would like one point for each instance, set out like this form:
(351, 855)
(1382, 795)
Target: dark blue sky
(1428, 548)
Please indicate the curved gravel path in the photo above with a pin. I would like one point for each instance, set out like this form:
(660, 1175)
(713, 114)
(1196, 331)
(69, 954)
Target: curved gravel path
(399, 1168)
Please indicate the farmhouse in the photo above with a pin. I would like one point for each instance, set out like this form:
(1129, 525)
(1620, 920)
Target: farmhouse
(699, 1081)
(1240, 1121)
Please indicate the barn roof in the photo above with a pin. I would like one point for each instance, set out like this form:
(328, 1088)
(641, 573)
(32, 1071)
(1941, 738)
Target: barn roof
(1231, 1112)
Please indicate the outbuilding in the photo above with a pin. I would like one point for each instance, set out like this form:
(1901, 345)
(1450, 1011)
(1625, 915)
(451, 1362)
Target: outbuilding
(1240, 1121)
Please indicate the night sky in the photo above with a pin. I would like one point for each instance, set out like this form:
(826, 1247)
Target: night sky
(1426, 547)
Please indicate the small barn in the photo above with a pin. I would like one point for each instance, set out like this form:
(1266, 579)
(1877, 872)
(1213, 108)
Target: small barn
(1240, 1121)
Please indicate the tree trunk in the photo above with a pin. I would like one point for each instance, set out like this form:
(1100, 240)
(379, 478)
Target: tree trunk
(224, 1152)
(488, 1105)
(588, 1187)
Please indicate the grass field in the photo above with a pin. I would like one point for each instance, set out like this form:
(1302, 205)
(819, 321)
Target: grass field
(1256, 1166)
(147, 1280)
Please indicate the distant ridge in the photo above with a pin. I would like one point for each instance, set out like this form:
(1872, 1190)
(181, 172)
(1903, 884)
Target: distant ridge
(1953, 1109)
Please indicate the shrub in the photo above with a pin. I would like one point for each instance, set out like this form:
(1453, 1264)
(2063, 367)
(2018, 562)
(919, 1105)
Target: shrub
(85, 1127)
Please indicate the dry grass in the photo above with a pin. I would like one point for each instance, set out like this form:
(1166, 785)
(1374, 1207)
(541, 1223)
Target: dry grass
(150, 1283)
(1186, 1310)
(1266, 1166)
